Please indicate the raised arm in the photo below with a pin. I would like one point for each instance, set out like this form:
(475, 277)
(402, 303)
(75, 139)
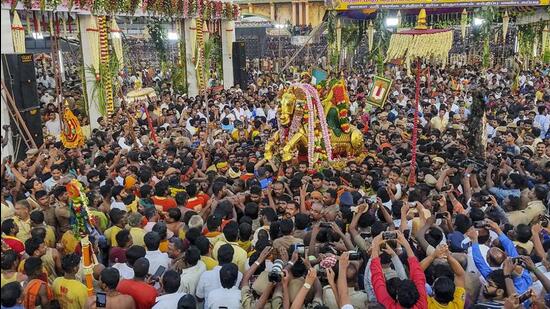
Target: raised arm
(479, 261)
(535, 238)
(420, 235)
(301, 296)
(342, 282)
(460, 274)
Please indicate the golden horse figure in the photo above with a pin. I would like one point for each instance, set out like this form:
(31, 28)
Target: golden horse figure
(293, 137)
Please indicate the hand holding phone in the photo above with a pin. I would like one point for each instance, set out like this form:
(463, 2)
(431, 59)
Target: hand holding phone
(158, 273)
(101, 300)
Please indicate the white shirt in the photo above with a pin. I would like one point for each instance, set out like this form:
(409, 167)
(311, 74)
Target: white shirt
(49, 184)
(119, 205)
(53, 127)
(47, 98)
(126, 272)
(168, 300)
(156, 259)
(259, 112)
(543, 123)
(210, 280)
(190, 278)
(240, 113)
(226, 298)
(271, 114)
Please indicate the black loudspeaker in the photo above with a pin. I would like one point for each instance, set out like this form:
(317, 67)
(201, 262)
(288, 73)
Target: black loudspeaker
(239, 64)
(20, 79)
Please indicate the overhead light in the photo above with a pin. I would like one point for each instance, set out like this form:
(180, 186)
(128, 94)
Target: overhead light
(172, 36)
(478, 21)
(61, 67)
(37, 35)
(392, 21)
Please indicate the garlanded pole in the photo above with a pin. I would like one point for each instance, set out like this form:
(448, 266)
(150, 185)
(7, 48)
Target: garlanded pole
(81, 225)
(105, 63)
(414, 138)
(200, 54)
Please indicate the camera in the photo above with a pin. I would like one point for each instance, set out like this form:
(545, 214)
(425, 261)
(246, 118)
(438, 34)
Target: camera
(276, 273)
(518, 261)
(325, 225)
(354, 255)
(440, 215)
(544, 221)
(480, 224)
(389, 235)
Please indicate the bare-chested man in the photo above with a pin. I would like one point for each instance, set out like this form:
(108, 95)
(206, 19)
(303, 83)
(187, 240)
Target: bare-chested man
(109, 278)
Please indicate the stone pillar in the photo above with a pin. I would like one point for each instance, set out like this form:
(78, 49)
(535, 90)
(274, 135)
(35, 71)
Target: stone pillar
(300, 13)
(228, 37)
(7, 48)
(293, 19)
(190, 28)
(87, 61)
(306, 22)
(272, 11)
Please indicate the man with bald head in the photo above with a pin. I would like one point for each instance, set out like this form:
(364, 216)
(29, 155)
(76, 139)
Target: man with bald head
(495, 257)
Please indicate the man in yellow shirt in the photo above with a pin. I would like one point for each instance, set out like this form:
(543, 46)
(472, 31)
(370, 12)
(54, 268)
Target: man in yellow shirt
(203, 244)
(118, 219)
(446, 292)
(136, 228)
(231, 233)
(70, 293)
(37, 221)
(440, 121)
(22, 219)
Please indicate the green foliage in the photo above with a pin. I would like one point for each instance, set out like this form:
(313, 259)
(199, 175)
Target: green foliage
(526, 39)
(110, 69)
(213, 55)
(158, 36)
(383, 40)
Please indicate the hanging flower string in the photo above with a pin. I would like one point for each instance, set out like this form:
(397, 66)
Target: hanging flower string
(314, 107)
(322, 120)
(208, 9)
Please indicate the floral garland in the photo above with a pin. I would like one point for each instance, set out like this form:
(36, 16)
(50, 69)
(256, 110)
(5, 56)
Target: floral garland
(208, 9)
(315, 144)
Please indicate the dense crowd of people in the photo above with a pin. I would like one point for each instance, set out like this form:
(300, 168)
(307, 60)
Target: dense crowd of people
(193, 216)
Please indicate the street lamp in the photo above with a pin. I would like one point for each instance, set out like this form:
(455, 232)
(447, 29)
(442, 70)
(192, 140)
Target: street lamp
(392, 22)
(478, 21)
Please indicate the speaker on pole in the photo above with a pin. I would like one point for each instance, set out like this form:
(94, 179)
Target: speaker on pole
(20, 81)
(239, 64)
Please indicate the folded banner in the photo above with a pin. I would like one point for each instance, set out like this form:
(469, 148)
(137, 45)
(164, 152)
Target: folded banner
(379, 92)
(318, 75)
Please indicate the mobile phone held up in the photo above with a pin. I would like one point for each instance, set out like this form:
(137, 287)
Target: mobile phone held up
(101, 300)
(158, 273)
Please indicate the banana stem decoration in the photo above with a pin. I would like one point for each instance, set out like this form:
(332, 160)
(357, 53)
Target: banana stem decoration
(18, 34)
(505, 21)
(104, 62)
(463, 23)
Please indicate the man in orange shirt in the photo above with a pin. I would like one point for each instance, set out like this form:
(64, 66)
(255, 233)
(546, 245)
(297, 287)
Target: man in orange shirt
(196, 201)
(162, 201)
